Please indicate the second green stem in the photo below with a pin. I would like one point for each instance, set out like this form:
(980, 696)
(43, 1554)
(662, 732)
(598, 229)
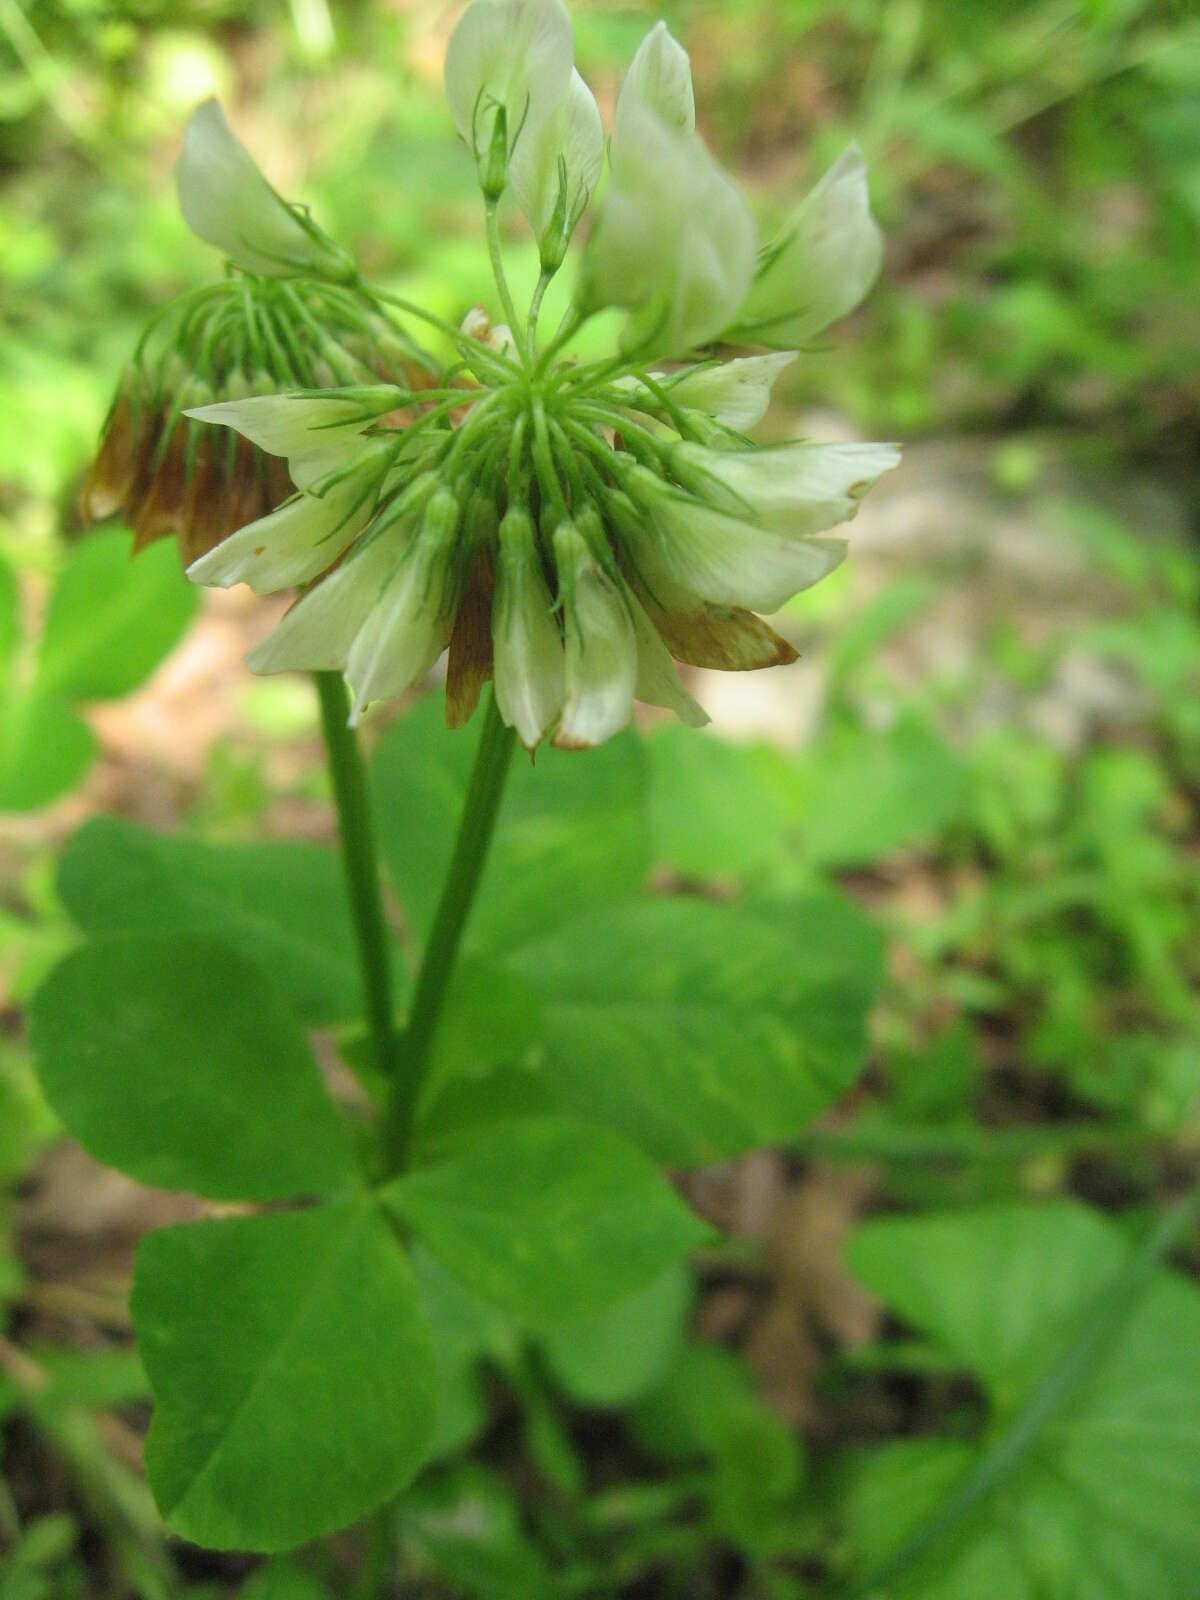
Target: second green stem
(475, 830)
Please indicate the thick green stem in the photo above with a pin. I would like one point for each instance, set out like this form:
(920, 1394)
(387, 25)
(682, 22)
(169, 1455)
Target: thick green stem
(361, 862)
(458, 892)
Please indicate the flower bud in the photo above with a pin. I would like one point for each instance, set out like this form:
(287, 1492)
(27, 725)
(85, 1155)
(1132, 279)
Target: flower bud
(296, 543)
(601, 649)
(555, 168)
(409, 625)
(316, 434)
(507, 67)
(529, 663)
(227, 202)
(723, 559)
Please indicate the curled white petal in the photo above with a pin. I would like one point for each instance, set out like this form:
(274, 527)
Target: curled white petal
(724, 559)
(799, 488)
(292, 424)
(556, 165)
(735, 393)
(529, 664)
(600, 646)
(290, 546)
(658, 682)
(512, 53)
(824, 264)
(317, 633)
(227, 202)
(659, 80)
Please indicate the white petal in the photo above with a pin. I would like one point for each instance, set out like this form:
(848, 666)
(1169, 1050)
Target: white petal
(227, 202)
(658, 681)
(316, 435)
(317, 633)
(825, 263)
(659, 80)
(601, 650)
(287, 424)
(674, 242)
(409, 626)
(736, 393)
(797, 488)
(715, 264)
(404, 634)
(514, 53)
(573, 135)
(529, 665)
(724, 559)
(290, 546)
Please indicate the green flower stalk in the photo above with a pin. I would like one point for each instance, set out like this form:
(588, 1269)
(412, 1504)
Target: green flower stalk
(566, 529)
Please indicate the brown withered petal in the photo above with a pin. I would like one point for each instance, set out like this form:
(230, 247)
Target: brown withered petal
(469, 664)
(125, 448)
(726, 637)
(204, 513)
(155, 514)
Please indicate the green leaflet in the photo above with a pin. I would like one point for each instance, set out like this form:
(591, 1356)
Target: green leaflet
(614, 1357)
(719, 809)
(281, 905)
(111, 619)
(170, 1056)
(1095, 1461)
(292, 1373)
(703, 1030)
(548, 1219)
(44, 750)
(109, 623)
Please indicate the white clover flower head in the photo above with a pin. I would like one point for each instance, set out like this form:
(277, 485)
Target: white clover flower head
(227, 202)
(569, 530)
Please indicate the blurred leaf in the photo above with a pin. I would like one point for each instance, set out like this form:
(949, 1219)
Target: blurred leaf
(169, 1056)
(572, 831)
(717, 807)
(1089, 1355)
(466, 1523)
(707, 1409)
(281, 905)
(470, 1106)
(892, 610)
(702, 1030)
(283, 1580)
(44, 751)
(103, 1379)
(10, 621)
(612, 1359)
(547, 1219)
(292, 1374)
(869, 794)
(111, 619)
